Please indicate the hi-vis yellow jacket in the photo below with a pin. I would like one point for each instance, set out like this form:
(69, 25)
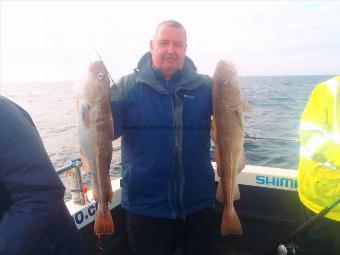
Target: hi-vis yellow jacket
(319, 167)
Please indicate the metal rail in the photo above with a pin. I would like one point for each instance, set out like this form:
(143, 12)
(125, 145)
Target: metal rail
(75, 178)
(254, 137)
(76, 162)
(69, 166)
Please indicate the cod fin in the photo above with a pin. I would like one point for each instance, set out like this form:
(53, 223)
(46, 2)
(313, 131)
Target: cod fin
(112, 133)
(219, 194)
(236, 194)
(239, 115)
(77, 104)
(218, 160)
(247, 107)
(109, 193)
(85, 114)
(231, 224)
(103, 222)
(213, 131)
(241, 161)
(84, 163)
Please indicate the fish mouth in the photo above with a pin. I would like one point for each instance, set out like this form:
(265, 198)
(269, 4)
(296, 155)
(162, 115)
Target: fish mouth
(94, 64)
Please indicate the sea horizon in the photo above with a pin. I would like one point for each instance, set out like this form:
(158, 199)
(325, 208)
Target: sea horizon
(7, 83)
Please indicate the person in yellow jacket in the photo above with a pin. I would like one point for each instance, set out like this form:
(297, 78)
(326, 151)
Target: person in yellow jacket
(319, 167)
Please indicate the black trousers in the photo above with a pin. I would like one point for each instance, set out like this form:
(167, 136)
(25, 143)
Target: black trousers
(323, 238)
(159, 236)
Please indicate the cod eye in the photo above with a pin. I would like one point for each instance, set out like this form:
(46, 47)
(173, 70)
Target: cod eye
(100, 76)
(225, 80)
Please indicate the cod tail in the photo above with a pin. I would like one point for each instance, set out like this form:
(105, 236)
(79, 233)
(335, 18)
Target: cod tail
(231, 224)
(103, 223)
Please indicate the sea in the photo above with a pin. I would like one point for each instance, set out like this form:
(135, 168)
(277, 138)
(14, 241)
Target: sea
(271, 128)
(272, 137)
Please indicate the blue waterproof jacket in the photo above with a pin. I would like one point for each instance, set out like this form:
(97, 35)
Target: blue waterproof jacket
(165, 129)
(33, 215)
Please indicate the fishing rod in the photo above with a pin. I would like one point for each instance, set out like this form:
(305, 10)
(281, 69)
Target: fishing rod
(287, 246)
(254, 137)
(103, 61)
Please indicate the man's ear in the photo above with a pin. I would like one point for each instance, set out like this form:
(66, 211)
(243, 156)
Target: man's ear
(151, 45)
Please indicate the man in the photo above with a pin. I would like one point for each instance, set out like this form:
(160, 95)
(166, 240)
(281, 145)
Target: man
(319, 168)
(33, 215)
(163, 112)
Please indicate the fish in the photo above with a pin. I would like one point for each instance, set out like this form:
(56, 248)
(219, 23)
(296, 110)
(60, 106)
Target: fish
(227, 131)
(95, 131)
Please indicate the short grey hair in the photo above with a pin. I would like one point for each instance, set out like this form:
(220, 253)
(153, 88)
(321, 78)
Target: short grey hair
(171, 23)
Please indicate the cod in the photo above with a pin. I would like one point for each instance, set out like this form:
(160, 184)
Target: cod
(95, 130)
(227, 130)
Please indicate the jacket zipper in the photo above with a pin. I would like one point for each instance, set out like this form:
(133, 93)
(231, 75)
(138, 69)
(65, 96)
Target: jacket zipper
(174, 174)
(173, 192)
(180, 174)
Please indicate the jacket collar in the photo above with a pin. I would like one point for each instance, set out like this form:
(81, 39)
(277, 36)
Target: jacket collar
(185, 78)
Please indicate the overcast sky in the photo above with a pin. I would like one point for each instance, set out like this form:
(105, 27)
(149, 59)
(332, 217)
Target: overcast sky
(55, 41)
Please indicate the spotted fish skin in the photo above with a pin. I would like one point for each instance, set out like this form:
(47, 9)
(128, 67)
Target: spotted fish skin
(95, 130)
(228, 136)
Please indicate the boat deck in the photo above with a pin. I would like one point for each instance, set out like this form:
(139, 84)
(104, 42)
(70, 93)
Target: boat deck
(269, 210)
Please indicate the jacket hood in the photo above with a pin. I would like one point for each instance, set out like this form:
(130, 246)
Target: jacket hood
(188, 63)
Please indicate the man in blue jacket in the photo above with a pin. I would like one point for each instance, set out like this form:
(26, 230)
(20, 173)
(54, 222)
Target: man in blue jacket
(33, 217)
(162, 111)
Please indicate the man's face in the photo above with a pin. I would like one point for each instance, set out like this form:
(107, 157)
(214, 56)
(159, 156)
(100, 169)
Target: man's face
(168, 50)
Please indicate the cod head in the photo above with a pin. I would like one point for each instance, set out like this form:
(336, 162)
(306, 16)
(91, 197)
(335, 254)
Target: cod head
(97, 83)
(226, 81)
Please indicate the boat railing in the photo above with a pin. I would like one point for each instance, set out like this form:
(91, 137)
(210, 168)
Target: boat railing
(73, 172)
(73, 164)
(74, 177)
(78, 190)
(255, 137)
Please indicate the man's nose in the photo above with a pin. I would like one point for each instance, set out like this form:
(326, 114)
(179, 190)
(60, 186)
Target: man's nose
(170, 48)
